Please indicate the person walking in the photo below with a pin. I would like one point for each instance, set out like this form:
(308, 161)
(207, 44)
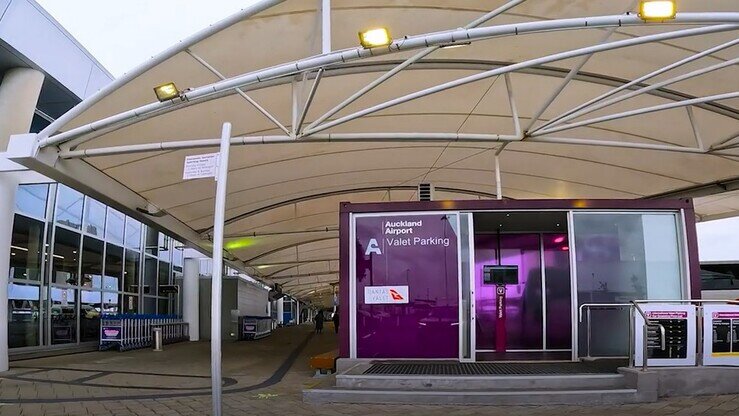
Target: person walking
(335, 318)
(319, 322)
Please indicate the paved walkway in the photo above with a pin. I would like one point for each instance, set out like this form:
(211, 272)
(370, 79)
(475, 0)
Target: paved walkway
(264, 377)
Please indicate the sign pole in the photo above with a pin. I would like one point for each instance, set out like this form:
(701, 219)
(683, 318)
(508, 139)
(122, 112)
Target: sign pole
(215, 304)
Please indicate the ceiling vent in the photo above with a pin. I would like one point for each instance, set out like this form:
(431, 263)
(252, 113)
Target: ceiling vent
(425, 192)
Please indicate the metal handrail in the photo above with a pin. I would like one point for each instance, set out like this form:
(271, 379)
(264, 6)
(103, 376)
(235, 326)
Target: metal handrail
(635, 304)
(590, 306)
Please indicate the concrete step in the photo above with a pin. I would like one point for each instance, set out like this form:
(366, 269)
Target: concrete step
(457, 397)
(467, 383)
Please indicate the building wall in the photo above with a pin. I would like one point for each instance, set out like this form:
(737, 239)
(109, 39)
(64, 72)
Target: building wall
(240, 298)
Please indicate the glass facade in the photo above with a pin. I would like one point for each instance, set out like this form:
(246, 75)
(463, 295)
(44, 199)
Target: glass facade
(621, 257)
(73, 259)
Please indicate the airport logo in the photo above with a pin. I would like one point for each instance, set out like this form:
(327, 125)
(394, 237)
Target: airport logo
(385, 295)
(372, 247)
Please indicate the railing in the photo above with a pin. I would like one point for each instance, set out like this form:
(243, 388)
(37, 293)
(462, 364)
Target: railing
(654, 333)
(133, 331)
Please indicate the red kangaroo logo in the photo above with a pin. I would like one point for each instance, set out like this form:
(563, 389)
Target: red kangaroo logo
(395, 295)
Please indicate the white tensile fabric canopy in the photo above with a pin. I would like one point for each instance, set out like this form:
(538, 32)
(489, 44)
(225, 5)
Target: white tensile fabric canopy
(515, 86)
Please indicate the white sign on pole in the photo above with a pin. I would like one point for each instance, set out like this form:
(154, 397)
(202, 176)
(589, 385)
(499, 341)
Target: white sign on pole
(200, 166)
(679, 323)
(380, 295)
(721, 335)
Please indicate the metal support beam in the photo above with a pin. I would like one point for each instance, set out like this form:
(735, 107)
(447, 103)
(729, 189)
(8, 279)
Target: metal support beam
(405, 64)
(573, 72)
(296, 262)
(239, 91)
(646, 110)
(225, 87)
(725, 143)
(216, 280)
(644, 90)
(512, 104)
(298, 276)
(639, 80)
(694, 125)
(280, 233)
(308, 101)
(526, 64)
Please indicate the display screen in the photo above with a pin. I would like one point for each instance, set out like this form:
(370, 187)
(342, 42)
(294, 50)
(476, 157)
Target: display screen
(500, 275)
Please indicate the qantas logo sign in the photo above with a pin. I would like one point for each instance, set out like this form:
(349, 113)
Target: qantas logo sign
(384, 295)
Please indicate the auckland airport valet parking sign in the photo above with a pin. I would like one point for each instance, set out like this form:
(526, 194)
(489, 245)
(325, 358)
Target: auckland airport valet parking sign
(406, 275)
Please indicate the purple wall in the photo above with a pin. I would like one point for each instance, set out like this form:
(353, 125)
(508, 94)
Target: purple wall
(426, 262)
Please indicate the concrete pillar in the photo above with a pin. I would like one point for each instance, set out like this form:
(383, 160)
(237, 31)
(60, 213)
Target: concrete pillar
(19, 92)
(8, 184)
(191, 297)
(280, 310)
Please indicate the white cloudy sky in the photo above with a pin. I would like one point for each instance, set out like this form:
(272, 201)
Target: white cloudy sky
(123, 34)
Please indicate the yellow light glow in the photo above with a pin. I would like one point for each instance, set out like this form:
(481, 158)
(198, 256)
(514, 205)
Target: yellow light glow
(166, 91)
(375, 37)
(237, 244)
(657, 9)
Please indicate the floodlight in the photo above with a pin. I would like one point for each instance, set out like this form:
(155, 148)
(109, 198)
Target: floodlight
(375, 37)
(166, 91)
(657, 9)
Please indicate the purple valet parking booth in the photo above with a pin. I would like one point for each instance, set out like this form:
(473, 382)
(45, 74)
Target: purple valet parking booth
(493, 280)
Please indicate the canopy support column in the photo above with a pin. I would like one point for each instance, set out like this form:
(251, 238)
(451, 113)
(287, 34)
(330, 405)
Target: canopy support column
(325, 26)
(498, 185)
(216, 283)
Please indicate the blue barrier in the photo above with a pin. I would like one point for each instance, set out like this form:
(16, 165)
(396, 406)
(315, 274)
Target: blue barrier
(133, 331)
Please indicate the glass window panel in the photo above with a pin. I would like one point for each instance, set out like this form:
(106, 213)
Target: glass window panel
(622, 257)
(718, 276)
(65, 257)
(163, 275)
(131, 272)
(95, 218)
(23, 315)
(114, 226)
(25, 248)
(152, 241)
(558, 292)
(113, 268)
(130, 304)
(165, 246)
(31, 199)
(150, 276)
(92, 262)
(90, 309)
(69, 207)
(163, 307)
(110, 303)
(150, 305)
(133, 233)
(63, 316)
(178, 255)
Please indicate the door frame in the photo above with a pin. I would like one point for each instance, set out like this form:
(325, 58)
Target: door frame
(473, 282)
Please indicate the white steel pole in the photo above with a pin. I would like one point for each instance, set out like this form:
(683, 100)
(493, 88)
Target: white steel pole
(215, 304)
(498, 185)
(325, 26)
